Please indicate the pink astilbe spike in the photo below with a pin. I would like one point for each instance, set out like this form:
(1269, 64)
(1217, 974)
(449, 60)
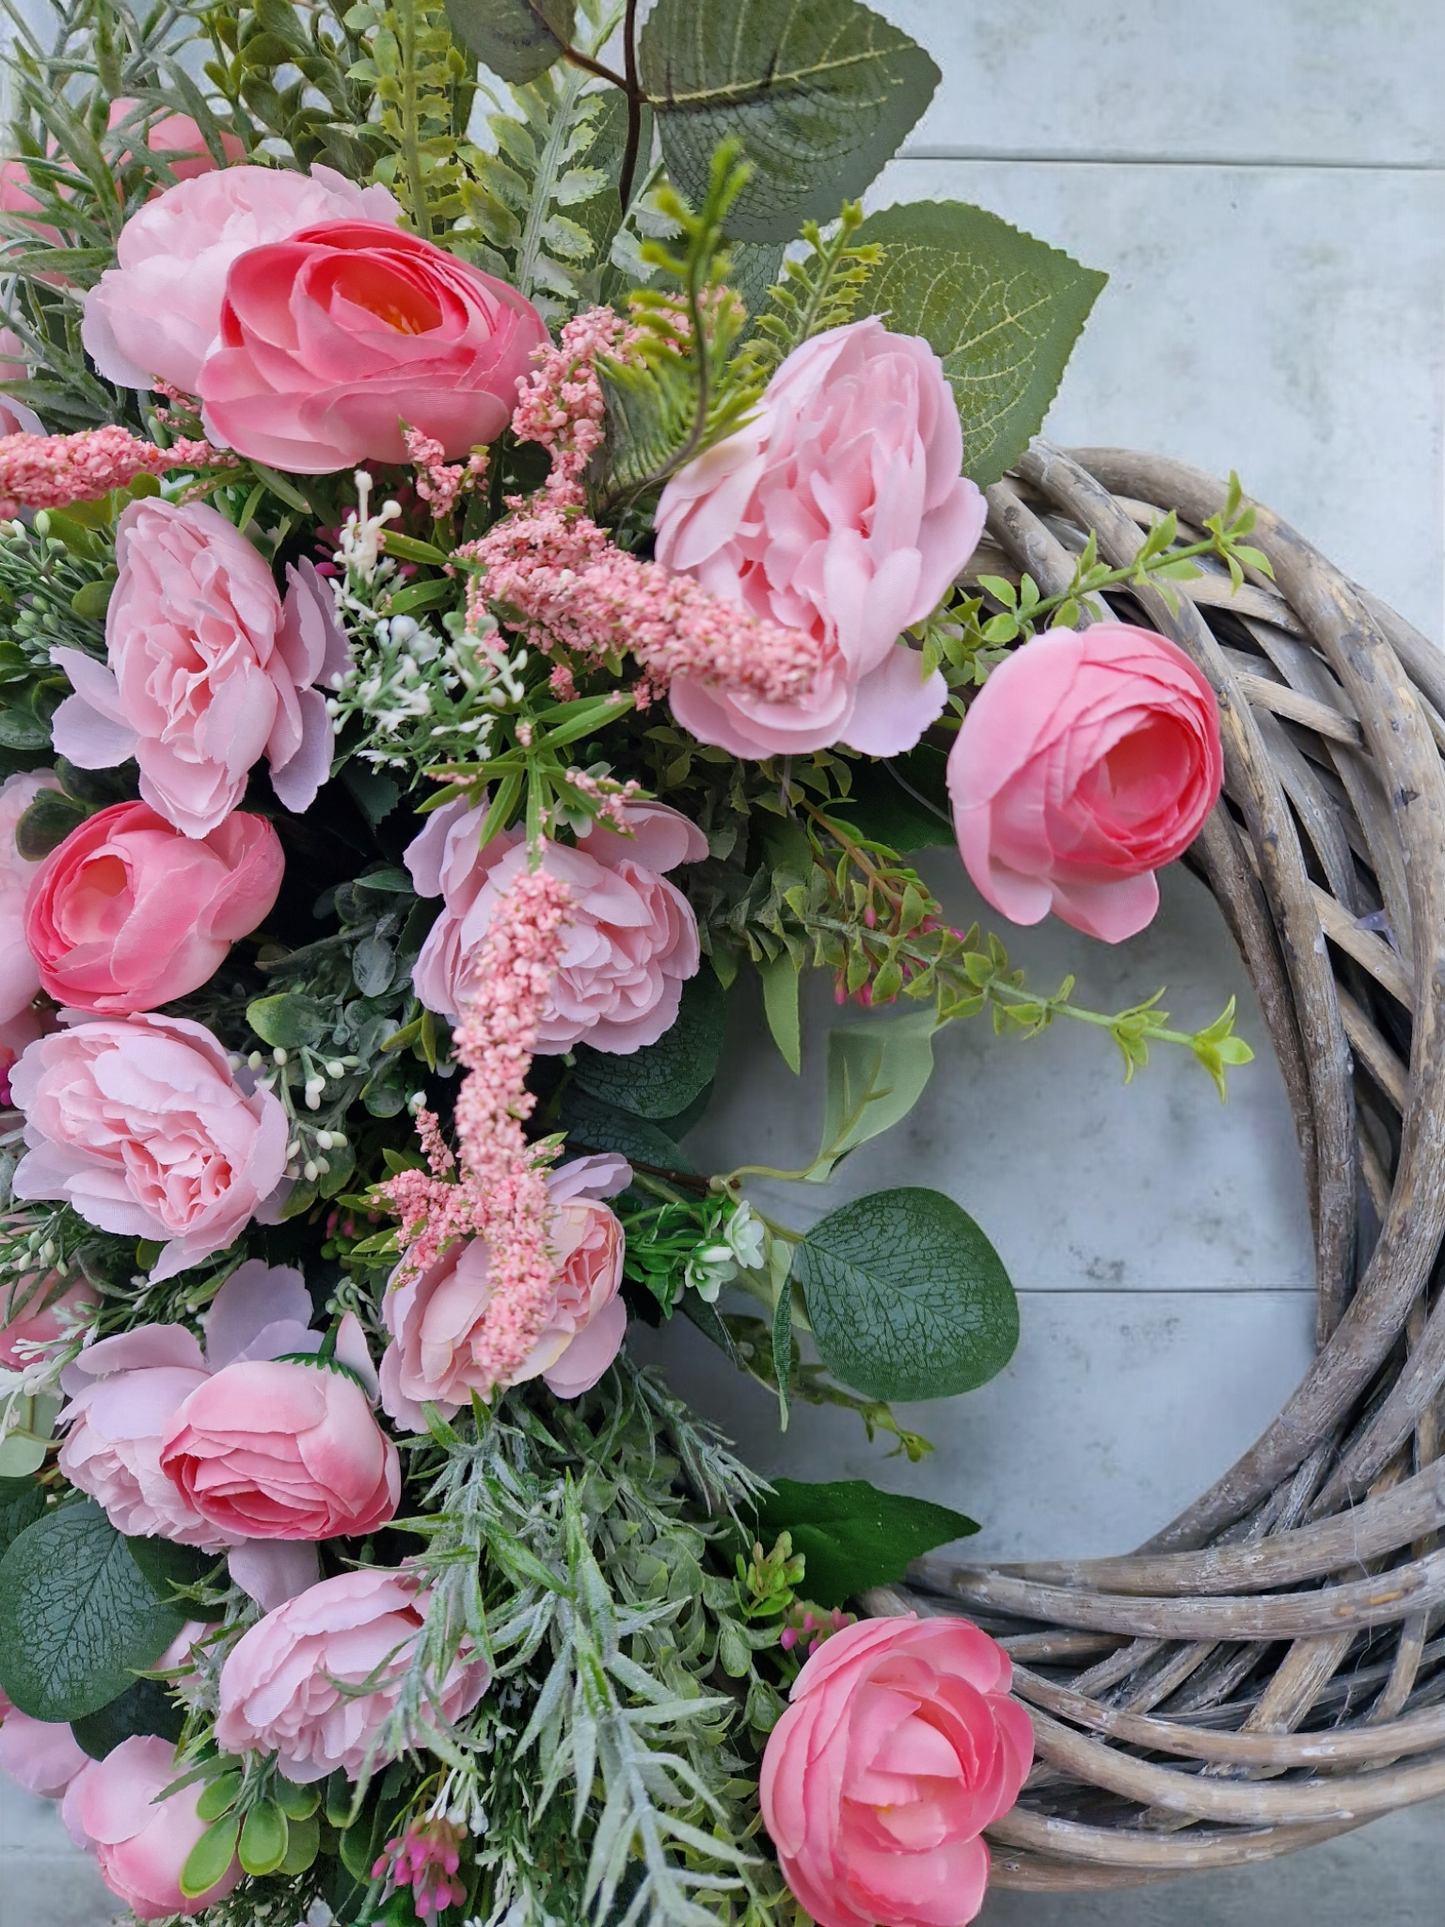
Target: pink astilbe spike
(561, 405)
(439, 482)
(500, 1191)
(48, 471)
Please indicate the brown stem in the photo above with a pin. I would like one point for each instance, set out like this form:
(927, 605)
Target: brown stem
(634, 107)
(576, 58)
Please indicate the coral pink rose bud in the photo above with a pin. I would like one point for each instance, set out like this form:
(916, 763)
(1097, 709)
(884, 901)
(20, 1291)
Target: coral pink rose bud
(125, 1391)
(900, 1745)
(43, 1756)
(330, 343)
(179, 140)
(140, 1841)
(139, 1123)
(157, 312)
(432, 1319)
(268, 1449)
(19, 972)
(206, 670)
(15, 417)
(38, 1310)
(1084, 763)
(838, 511)
(280, 1688)
(631, 936)
(128, 913)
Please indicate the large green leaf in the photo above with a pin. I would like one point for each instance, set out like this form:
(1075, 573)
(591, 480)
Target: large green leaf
(876, 1074)
(517, 39)
(902, 802)
(663, 1078)
(1001, 309)
(906, 1296)
(854, 1536)
(144, 1707)
(77, 1618)
(21, 1503)
(820, 92)
(592, 1125)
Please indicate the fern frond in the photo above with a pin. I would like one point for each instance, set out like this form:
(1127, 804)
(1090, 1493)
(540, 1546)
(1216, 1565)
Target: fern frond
(817, 293)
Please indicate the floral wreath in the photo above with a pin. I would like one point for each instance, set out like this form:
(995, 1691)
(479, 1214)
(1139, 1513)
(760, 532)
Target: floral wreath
(484, 570)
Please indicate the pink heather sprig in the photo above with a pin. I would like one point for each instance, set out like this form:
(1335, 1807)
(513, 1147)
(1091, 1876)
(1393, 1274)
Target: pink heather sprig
(608, 797)
(561, 405)
(426, 1859)
(500, 1194)
(438, 481)
(572, 588)
(49, 471)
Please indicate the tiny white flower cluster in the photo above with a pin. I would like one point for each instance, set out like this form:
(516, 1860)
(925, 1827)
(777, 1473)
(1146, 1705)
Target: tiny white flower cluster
(743, 1247)
(360, 541)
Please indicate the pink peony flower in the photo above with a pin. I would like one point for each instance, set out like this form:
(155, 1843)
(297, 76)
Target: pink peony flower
(1084, 763)
(268, 1449)
(331, 341)
(125, 1391)
(141, 1842)
(631, 939)
(206, 670)
(157, 312)
(899, 1747)
(127, 913)
(43, 1756)
(140, 1124)
(37, 1311)
(15, 417)
(280, 1689)
(19, 972)
(839, 511)
(433, 1318)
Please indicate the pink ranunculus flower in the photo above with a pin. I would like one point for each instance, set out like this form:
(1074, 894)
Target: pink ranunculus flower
(631, 940)
(15, 417)
(125, 1391)
(432, 1318)
(19, 972)
(128, 913)
(335, 340)
(38, 1310)
(206, 670)
(271, 1449)
(280, 1688)
(140, 1841)
(839, 511)
(1085, 762)
(157, 312)
(43, 1756)
(140, 1124)
(900, 1745)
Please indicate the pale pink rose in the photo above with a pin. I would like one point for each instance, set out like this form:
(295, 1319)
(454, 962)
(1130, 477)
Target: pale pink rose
(140, 1841)
(330, 343)
(630, 940)
(128, 913)
(37, 1311)
(279, 1692)
(268, 1449)
(432, 1319)
(1084, 763)
(15, 417)
(206, 670)
(838, 511)
(899, 1747)
(125, 1391)
(43, 1756)
(157, 312)
(19, 972)
(140, 1124)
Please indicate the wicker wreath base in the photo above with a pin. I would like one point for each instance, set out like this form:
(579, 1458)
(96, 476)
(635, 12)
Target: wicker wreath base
(1262, 1675)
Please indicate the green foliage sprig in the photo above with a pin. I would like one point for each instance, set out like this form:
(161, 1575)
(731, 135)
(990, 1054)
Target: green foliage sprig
(817, 292)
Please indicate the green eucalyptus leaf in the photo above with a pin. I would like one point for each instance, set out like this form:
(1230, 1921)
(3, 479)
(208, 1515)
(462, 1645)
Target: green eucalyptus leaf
(209, 1860)
(906, 1296)
(821, 93)
(264, 1838)
(296, 1802)
(21, 1503)
(374, 794)
(876, 1074)
(144, 1707)
(517, 39)
(1000, 309)
(661, 1079)
(853, 1536)
(24, 1450)
(219, 1797)
(595, 1126)
(165, 1566)
(288, 1019)
(302, 1845)
(78, 1619)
